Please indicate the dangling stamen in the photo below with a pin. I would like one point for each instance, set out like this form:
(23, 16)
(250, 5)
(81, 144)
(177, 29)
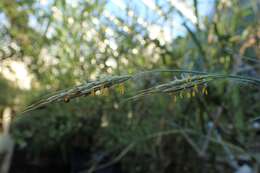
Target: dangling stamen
(121, 88)
(196, 88)
(204, 90)
(193, 93)
(181, 96)
(188, 94)
(174, 98)
(105, 92)
(93, 93)
(102, 90)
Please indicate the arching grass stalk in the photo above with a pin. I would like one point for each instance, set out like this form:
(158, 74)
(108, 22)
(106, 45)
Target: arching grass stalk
(247, 79)
(78, 91)
(192, 82)
(199, 79)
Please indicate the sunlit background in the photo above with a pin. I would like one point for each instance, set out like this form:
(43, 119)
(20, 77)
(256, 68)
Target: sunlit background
(161, 20)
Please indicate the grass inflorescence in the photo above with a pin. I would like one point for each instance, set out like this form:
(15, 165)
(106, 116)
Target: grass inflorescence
(193, 81)
(85, 89)
(199, 79)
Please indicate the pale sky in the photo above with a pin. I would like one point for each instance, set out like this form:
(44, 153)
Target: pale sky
(149, 17)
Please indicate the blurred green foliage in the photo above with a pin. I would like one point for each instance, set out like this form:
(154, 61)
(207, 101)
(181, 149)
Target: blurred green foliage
(71, 44)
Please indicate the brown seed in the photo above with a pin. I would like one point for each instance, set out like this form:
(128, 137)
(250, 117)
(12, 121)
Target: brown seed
(66, 99)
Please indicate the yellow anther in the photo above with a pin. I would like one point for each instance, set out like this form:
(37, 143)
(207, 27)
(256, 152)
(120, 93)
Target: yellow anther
(188, 95)
(102, 90)
(93, 93)
(193, 93)
(121, 88)
(196, 88)
(174, 98)
(105, 92)
(204, 90)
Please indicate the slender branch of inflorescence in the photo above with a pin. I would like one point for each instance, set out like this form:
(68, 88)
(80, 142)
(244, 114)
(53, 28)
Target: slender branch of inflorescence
(81, 90)
(177, 85)
(192, 82)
